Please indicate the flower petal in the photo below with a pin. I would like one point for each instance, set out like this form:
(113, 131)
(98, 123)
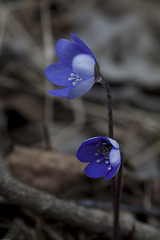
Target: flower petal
(112, 172)
(96, 170)
(93, 141)
(82, 45)
(63, 92)
(83, 65)
(66, 51)
(111, 141)
(81, 88)
(87, 150)
(58, 74)
(114, 157)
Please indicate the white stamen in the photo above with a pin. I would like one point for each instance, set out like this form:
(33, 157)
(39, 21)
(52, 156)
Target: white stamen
(107, 161)
(74, 83)
(98, 144)
(109, 168)
(71, 78)
(75, 78)
(78, 79)
(98, 160)
(96, 154)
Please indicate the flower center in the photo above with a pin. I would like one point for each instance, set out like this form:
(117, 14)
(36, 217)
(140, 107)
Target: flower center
(102, 153)
(74, 78)
(106, 150)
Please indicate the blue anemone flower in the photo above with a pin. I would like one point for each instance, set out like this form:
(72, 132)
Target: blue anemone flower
(75, 71)
(103, 155)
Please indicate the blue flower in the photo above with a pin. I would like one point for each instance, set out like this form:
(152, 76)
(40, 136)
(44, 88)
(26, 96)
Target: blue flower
(103, 155)
(76, 71)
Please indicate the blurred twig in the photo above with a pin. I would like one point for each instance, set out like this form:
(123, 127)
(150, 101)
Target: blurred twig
(27, 42)
(108, 205)
(51, 232)
(147, 154)
(49, 56)
(3, 21)
(77, 124)
(12, 232)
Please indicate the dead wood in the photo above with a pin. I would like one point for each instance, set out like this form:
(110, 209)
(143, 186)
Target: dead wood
(48, 171)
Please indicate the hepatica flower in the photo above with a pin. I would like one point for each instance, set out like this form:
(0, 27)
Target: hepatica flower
(75, 71)
(103, 155)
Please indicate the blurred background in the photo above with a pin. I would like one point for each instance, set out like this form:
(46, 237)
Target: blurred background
(40, 134)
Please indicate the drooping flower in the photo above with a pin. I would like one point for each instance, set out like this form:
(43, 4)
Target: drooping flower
(75, 71)
(103, 155)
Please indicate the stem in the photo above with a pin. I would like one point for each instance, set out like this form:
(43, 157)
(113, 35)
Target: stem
(109, 101)
(119, 189)
(116, 182)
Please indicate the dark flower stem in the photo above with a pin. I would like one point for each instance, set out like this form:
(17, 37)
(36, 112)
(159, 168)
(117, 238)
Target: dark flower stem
(116, 181)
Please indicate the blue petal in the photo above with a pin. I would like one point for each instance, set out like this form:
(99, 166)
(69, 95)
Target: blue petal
(66, 51)
(60, 92)
(82, 45)
(114, 157)
(83, 65)
(81, 88)
(96, 170)
(93, 141)
(111, 141)
(58, 74)
(112, 172)
(87, 150)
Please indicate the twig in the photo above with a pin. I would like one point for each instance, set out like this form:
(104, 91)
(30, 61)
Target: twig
(13, 232)
(124, 207)
(51, 233)
(147, 154)
(49, 56)
(27, 41)
(76, 125)
(4, 12)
